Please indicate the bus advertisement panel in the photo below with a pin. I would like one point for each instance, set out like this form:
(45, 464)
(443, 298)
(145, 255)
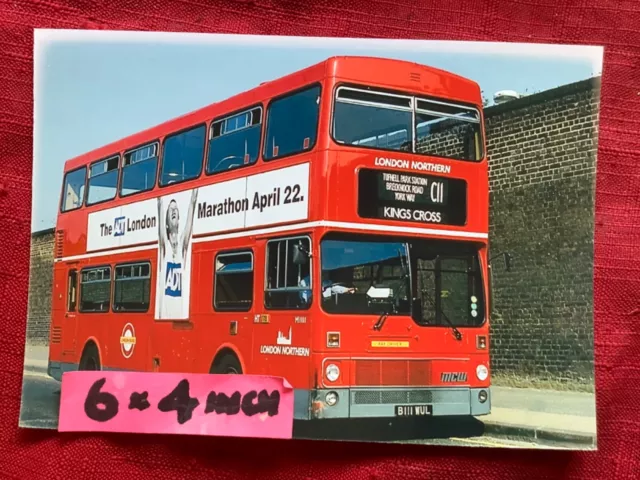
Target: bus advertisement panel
(172, 220)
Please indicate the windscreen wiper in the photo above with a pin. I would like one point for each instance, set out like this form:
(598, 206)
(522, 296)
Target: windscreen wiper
(456, 332)
(381, 319)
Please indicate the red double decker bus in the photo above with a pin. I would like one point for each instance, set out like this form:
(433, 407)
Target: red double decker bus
(329, 227)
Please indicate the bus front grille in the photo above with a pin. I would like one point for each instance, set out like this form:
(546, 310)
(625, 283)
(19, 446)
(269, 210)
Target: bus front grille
(396, 397)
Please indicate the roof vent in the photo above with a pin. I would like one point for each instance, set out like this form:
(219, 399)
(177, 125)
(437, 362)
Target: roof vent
(504, 96)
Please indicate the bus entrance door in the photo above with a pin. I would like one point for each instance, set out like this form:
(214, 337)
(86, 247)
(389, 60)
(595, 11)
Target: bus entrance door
(65, 310)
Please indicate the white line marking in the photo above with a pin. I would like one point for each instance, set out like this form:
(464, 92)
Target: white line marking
(494, 442)
(286, 228)
(29, 373)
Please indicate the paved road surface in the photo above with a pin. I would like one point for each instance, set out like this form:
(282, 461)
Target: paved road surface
(43, 401)
(41, 411)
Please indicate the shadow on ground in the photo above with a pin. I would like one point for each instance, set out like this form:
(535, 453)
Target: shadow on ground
(388, 430)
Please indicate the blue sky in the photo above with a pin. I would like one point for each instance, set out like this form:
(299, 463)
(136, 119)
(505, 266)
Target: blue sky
(92, 92)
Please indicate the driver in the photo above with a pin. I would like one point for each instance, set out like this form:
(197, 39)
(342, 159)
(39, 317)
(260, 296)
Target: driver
(337, 285)
(329, 287)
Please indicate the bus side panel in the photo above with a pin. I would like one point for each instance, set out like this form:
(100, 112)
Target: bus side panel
(172, 341)
(124, 337)
(116, 352)
(93, 327)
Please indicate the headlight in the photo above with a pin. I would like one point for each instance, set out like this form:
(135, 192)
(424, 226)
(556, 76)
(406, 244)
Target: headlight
(482, 372)
(331, 398)
(332, 372)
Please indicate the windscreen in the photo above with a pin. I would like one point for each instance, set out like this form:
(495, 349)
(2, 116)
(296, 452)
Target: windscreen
(365, 277)
(448, 285)
(437, 283)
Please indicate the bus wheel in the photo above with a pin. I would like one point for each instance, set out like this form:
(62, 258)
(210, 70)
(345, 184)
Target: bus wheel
(90, 359)
(228, 365)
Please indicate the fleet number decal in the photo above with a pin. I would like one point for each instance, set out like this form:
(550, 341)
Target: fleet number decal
(389, 344)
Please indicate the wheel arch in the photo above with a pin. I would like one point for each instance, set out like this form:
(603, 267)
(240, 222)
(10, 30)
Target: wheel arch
(89, 343)
(227, 349)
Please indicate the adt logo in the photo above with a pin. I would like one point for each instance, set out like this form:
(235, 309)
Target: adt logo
(173, 280)
(119, 226)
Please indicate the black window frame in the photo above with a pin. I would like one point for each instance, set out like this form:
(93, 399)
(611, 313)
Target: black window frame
(221, 118)
(64, 184)
(267, 290)
(163, 153)
(415, 98)
(76, 287)
(123, 167)
(265, 132)
(89, 177)
(115, 280)
(231, 253)
(96, 267)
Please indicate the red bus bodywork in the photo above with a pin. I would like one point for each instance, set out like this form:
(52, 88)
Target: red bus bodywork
(384, 364)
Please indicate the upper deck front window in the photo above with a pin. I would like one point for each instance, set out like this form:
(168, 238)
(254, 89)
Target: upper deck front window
(386, 121)
(448, 130)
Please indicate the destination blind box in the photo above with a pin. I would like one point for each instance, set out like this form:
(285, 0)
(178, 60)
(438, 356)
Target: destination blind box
(394, 195)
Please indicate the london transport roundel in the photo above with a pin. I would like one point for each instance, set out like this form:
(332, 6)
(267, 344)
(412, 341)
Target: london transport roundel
(128, 340)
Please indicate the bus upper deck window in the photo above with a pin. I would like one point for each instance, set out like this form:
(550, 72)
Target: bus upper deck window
(73, 190)
(292, 123)
(103, 180)
(234, 141)
(182, 155)
(447, 130)
(139, 169)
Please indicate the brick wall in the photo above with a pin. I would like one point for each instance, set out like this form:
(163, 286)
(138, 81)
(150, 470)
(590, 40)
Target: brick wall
(449, 138)
(41, 281)
(542, 152)
(542, 172)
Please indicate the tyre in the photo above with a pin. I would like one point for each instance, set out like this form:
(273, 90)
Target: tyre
(90, 359)
(228, 365)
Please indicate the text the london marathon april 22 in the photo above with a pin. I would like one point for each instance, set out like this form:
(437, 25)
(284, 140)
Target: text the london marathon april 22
(260, 201)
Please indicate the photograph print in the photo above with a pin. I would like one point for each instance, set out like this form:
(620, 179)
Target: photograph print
(401, 230)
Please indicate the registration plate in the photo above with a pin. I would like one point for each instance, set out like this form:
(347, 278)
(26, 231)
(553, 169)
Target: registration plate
(413, 410)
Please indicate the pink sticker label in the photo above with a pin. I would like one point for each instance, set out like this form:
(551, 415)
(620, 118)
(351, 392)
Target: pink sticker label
(193, 404)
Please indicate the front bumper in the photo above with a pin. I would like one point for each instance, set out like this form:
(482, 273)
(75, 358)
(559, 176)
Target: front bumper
(382, 402)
